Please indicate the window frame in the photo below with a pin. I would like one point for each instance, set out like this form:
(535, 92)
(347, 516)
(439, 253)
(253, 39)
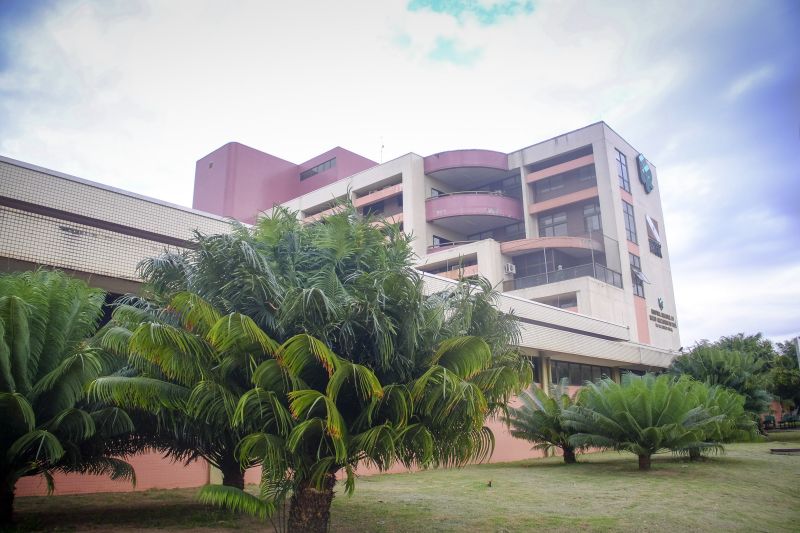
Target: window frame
(636, 268)
(622, 171)
(594, 215)
(544, 226)
(630, 222)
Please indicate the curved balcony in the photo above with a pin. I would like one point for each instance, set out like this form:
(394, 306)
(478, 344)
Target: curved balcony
(466, 168)
(473, 211)
(523, 246)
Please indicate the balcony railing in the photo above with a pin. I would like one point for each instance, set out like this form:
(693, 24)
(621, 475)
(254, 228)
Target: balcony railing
(594, 270)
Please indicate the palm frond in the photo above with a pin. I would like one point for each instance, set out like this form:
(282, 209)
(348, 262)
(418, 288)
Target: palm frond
(236, 500)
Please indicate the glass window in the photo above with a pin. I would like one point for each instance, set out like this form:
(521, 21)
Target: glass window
(591, 218)
(636, 274)
(653, 235)
(577, 374)
(322, 167)
(436, 192)
(586, 373)
(549, 184)
(622, 171)
(554, 225)
(574, 374)
(630, 222)
(440, 241)
(374, 209)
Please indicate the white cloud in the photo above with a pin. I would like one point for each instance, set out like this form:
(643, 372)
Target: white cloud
(133, 94)
(749, 81)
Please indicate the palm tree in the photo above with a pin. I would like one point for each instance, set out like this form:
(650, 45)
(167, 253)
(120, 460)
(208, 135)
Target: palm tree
(742, 372)
(539, 420)
(46, 360)
(188, 367)
(641, 415)
(385, 374)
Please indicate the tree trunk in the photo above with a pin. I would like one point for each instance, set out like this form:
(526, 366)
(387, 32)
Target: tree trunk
(694, 454)
(7, 502)
(569, 455)
(232, 474)
(310, 508)
(644, 462)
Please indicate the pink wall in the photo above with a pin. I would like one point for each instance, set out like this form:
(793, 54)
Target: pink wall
(155, 472)
(642, 320)
(347, 164)
(465, 158)
(239, 182)
(152, 472)
(473, 204)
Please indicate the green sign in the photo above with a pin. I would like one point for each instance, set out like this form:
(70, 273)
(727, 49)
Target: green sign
(645, 173)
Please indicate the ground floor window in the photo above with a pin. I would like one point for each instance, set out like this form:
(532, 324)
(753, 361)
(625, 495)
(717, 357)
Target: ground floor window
(577, 373)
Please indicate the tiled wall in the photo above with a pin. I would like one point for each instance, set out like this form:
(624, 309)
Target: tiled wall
(97, 201)
(48, 241)
(88, 247)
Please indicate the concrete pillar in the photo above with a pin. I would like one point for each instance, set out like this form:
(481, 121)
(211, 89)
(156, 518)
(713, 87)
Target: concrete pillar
(544, 373)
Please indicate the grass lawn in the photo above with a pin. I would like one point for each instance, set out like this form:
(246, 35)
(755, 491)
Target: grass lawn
(747, 489)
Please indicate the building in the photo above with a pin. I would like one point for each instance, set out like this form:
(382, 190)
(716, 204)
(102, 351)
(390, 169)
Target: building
(574, 222)
(559, 226)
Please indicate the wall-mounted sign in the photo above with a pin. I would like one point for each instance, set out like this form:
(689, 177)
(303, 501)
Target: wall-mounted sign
(662, 320)
(645, 173)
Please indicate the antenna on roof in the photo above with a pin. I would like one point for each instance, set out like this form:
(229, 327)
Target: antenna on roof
(381, 149)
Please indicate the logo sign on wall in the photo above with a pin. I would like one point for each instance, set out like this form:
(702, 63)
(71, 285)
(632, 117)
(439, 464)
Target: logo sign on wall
(645, 173)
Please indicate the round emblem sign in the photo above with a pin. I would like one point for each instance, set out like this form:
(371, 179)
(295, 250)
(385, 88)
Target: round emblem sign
(645, 173)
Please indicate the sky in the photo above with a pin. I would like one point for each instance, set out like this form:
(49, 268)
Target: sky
(132, 93)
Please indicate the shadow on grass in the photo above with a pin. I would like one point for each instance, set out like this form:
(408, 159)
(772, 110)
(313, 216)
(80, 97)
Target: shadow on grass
(101, 513)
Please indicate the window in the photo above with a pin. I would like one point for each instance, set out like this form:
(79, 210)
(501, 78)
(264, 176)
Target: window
(549, 184)
(577, 373)
(554, 225)
(480, 236)
(440, 241)
(653, 236)
(435, 193)
(630, 222)
(322, 167)
(510, 186)
(622, 171)
(586, 173)
(515, 231)
(637, 275)
(374, 209)
(591, 218)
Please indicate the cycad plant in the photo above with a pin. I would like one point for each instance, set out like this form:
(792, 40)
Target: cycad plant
(540, 419)
(46, 360)
(642, 415)
(735, 424)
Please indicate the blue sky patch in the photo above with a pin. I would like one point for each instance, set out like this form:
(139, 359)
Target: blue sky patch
(485, 13)
(448, 50)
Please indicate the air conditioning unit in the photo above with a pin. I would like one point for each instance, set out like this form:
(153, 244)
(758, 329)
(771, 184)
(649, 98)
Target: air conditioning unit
(509, 268)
